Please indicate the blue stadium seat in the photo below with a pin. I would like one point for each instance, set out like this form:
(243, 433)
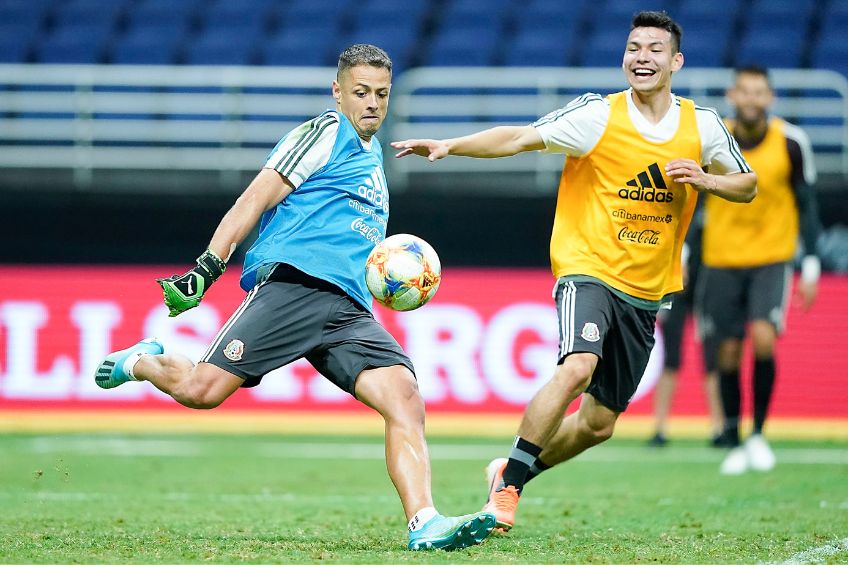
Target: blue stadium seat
(543, 47)
(800, 8)
(831, 54)
(604, 49)
(547, 14)
(249, 18)
(618, 8)
(772, 46)
(297, 48)
(73, 44)
(833, 25)
(708, 8)
(311, 14)
(13, 48)
(706, 48)
(470, 46)
(146, 46)
(230, 47)
(382, 9)
(397, 45)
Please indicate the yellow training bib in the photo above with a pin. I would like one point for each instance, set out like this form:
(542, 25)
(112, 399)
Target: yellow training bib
(619, 218)
(766, 230)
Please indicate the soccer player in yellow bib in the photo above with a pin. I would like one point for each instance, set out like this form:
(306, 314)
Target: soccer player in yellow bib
(632, 171)
(748, 252)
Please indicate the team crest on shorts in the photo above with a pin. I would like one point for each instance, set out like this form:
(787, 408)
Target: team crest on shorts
(590, 332)
(233, 351)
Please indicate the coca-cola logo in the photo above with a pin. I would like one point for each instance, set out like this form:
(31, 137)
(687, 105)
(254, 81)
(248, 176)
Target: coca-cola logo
(370, 233)
(647, 237)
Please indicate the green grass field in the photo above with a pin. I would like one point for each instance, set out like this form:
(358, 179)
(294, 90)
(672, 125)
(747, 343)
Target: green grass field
(208, 498)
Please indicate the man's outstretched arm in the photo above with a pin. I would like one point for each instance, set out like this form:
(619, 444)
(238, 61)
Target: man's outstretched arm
(183, 292)
(500, 141)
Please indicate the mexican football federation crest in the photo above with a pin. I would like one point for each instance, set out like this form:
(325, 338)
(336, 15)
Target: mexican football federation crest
(234, 350)
(590, 332)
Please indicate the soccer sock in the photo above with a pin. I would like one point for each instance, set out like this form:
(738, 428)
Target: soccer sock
(730, 401)
(535, 469)
(129, 365)
(764, 371)
(422, 517)
(522, 456)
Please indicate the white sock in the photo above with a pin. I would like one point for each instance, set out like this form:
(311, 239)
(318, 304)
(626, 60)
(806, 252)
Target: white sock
(129, 364)
(422, 517)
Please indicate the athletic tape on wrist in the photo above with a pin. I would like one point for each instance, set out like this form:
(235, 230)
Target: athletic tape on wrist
(213, 264)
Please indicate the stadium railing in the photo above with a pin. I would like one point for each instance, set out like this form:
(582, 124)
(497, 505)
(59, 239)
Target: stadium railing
(449, 102)
(208, 118)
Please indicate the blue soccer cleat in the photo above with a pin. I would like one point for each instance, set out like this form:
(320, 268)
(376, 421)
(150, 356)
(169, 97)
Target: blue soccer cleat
(452, 532)
(110, 373)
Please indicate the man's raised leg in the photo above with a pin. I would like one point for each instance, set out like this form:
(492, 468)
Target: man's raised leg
(195, 386)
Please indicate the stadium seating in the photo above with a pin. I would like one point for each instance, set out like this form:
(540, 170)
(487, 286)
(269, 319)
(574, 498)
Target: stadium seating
(774, 33)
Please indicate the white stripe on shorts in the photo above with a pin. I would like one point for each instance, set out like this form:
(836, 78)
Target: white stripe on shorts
(239, 311)
(567, 318)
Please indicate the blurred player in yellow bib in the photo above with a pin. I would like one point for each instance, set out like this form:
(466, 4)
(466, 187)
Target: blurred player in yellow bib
(632, 172)
(748, 252)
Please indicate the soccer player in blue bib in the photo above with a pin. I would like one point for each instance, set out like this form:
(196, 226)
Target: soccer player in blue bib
(322, 203)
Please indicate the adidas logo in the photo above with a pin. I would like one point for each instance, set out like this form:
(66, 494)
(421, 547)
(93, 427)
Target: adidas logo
(643, 189)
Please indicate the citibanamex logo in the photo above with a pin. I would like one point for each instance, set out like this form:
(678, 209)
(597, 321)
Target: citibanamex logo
(647, 237)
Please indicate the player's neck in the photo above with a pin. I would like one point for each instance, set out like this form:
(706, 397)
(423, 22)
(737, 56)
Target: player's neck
(652, 105)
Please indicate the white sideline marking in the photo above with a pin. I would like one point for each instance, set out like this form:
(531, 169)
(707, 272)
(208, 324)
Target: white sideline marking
(818, 554)
(145, 447)
(133, 447)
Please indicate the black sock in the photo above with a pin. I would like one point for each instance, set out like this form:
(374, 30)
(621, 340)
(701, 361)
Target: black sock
(728, 382)
(535, 469)
(522, 456)
(764, 372)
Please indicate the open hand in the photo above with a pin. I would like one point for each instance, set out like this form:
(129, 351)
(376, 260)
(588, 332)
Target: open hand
(433, 149)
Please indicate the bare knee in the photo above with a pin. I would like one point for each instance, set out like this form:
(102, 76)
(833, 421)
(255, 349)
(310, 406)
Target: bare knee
(197, 396)
(575, 373)
(763, 336)
(205, 387)
(729, 354)
(393, 392)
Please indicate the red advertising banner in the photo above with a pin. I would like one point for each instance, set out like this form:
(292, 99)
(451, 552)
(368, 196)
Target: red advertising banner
(485, 343)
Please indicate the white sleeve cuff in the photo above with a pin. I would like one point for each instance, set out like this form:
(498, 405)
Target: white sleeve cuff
(810, 269)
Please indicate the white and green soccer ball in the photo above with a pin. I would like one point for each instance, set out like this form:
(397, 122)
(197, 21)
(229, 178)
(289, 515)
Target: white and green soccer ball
(403, 272)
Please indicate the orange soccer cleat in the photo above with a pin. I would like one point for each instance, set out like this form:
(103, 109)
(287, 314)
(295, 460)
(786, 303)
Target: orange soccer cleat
(503, 500)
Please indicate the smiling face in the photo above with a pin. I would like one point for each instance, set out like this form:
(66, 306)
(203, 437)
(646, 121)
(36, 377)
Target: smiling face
(362, 95)
(650, 59)
(752, 96)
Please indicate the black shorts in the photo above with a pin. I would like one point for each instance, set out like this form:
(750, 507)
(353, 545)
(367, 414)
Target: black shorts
(672, 322)
(594, 320)
(293, 315)
(729, 298)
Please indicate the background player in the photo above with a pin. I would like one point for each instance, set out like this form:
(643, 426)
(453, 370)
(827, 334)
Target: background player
(622, 213)
(748, 252)
(307, 295)
(672, 322)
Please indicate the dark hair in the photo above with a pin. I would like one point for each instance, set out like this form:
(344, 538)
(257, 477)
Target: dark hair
(755, 70)
(363, 54)
(660, 20)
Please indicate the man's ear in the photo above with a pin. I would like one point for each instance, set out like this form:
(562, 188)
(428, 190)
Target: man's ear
(337, 91)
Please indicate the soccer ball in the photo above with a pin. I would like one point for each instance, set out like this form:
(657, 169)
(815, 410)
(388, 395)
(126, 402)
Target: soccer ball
(403, 272)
